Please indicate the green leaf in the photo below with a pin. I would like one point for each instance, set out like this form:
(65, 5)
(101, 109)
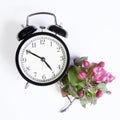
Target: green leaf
(82, 83)
(83, 101)
(72, 91)
(102, 86)
(89, 94)
(79, 88)
(93, 90)
(84, 105)
(92, 100)
(78, 61)
(65, 80)
(65, 88)
(72, 76)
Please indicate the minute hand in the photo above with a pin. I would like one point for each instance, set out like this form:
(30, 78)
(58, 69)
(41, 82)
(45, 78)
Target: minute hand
(47, 64)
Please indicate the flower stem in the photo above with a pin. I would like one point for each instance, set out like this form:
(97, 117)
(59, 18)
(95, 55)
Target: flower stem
(64, 109)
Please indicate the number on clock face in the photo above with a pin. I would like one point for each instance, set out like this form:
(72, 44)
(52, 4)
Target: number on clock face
(43, 58)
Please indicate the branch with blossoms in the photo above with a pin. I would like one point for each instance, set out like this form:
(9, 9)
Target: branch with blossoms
(85, 81)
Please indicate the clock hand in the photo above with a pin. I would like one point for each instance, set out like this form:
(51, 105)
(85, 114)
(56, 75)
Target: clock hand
(34, 54)
(42, 59)
(47, 64)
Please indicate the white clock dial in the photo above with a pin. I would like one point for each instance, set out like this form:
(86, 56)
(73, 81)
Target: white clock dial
(43, 58)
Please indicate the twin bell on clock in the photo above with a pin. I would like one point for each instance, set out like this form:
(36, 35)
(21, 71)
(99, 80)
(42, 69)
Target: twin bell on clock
(42, 58)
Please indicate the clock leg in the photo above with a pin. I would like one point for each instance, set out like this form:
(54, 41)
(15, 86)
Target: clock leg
(26, 85)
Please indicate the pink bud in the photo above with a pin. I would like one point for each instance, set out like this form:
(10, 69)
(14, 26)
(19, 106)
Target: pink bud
(108, 92)
(86, 63)
(101, 64)
(81, 75)
(99, 93)
(80, 94)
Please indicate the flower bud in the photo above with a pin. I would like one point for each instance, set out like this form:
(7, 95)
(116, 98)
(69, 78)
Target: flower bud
(86, 63)
(108, 92)
(80, 94)
(99, 93)
(101, 64)
(81, 75)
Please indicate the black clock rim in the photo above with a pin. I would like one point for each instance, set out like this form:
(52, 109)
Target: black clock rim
(17, 61)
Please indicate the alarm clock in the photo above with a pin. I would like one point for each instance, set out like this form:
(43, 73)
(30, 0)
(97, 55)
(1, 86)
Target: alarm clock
(42, 58)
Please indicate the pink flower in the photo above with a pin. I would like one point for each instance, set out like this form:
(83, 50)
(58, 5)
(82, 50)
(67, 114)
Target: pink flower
(101, 64)
(86, 63)
(80, 94)
(81, 75)
(99, 74)
(99, 93)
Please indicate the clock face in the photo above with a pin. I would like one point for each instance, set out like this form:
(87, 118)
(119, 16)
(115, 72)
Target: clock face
(42, 58)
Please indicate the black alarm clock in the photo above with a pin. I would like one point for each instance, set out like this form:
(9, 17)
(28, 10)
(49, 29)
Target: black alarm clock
(42, 58)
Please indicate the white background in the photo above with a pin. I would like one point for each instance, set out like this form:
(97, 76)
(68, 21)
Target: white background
(94, 31)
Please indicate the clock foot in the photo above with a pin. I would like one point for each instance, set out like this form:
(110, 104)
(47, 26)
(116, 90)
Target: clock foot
(27, 84)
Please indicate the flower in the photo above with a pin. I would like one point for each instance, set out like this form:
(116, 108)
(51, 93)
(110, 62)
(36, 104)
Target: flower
(81, 75)
(86, 81)
(99, 74)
